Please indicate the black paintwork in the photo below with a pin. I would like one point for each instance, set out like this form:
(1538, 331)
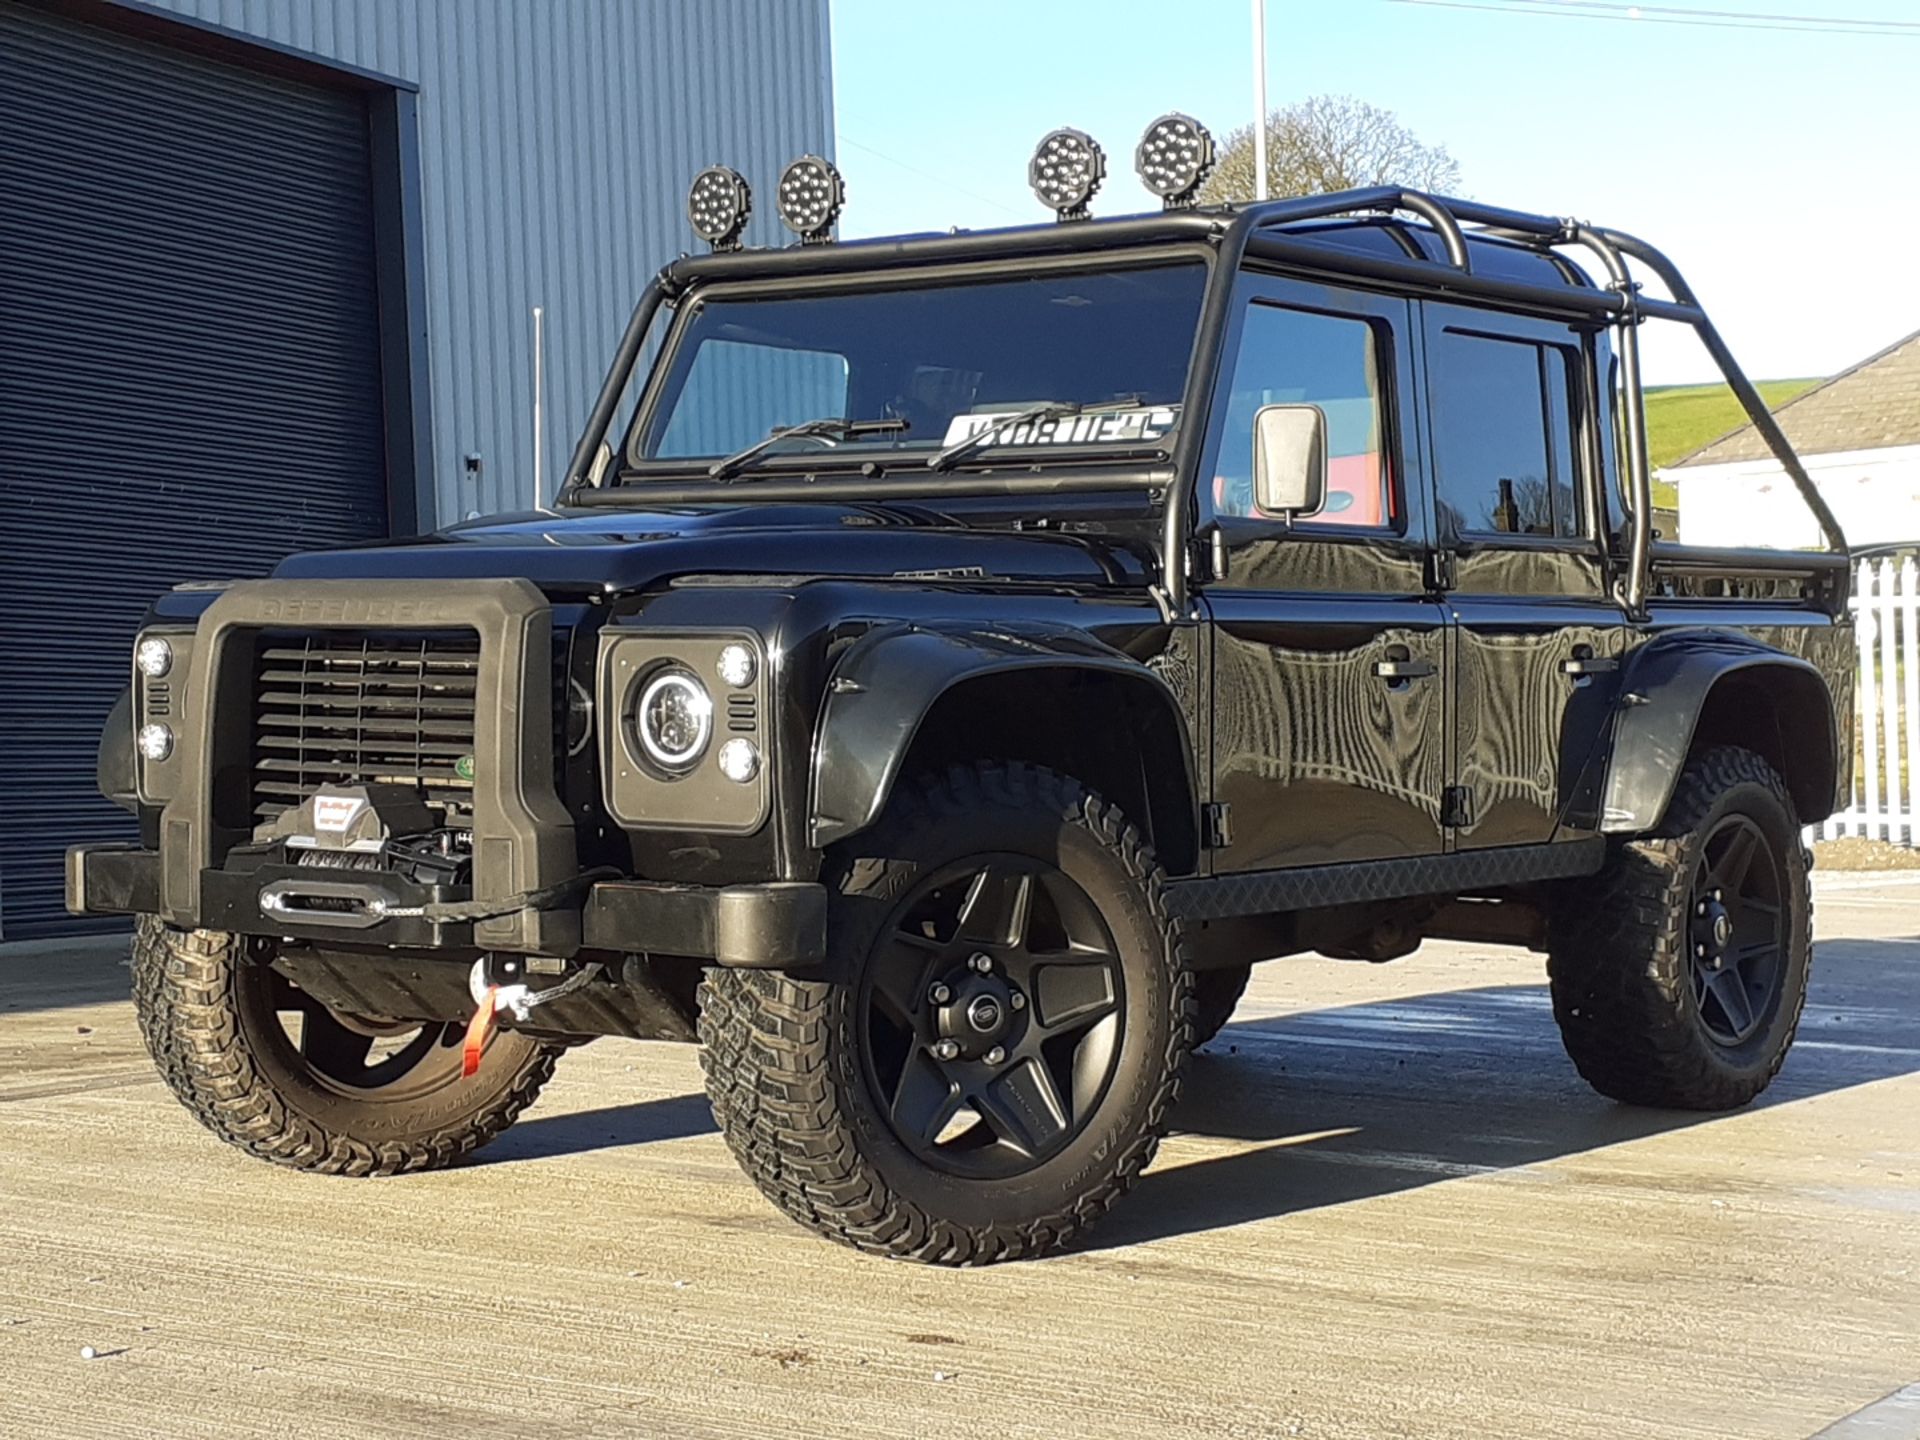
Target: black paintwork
(1021, 608)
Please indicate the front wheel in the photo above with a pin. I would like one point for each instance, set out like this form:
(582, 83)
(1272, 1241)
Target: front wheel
(1680, 971)
(286, 1078)
(997, 1060)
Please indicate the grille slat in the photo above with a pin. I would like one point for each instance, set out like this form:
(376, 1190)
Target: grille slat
(313, 744)
(356, 703)
(438, 682)
(340, 708)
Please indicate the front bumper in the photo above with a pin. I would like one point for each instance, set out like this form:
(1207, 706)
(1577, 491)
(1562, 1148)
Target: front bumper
(778, 925)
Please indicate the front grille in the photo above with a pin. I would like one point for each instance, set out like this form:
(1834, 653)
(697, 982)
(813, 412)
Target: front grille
(341, 708)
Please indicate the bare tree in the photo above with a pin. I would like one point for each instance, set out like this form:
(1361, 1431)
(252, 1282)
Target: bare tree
(1331, 142)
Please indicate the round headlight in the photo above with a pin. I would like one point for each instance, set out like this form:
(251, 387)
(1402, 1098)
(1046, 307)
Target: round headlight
(155, 741)
(736, 666)
(154, 656)
(674, 719)
(739, 761)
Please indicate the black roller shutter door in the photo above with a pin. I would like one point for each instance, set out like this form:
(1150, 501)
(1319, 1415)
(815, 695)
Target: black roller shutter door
(189, 379)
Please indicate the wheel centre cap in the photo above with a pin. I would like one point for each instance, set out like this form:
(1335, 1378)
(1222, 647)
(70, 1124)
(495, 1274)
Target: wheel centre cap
(1713, 929)
(980, 1014)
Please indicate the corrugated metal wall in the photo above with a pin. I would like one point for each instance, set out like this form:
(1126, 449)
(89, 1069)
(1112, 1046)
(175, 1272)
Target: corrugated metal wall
(187, 336)
(557, 138)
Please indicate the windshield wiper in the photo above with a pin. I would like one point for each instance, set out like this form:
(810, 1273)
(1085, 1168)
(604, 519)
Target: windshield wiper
(980, 439)
(832, 428)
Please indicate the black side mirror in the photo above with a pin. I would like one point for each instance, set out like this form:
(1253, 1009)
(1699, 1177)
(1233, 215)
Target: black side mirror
(1289, 459)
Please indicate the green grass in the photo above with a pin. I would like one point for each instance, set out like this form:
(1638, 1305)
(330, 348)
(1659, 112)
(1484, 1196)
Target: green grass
(1682, 418)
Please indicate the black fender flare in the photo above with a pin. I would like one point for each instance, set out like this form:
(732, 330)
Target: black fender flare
(887, 682)
(1665, 689)
(113, 760)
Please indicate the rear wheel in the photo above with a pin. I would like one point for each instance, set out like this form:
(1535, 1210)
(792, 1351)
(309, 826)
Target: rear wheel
(272, 1070)
(999, 1061)
(1679, 973)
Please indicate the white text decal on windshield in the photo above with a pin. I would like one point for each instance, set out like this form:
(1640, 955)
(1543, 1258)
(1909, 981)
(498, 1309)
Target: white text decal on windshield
(1095, 428)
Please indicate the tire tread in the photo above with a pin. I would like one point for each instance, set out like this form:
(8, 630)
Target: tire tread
(1618, 965)
(183, 997)
(767, 1053)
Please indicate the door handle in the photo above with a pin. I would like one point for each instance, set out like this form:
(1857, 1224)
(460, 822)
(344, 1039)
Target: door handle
(1588, 665)
(1398, 670)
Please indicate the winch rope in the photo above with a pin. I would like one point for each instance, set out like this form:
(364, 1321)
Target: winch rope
(459, 911)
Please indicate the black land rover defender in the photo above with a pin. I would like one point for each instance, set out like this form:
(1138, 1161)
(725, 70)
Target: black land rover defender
(951, 661)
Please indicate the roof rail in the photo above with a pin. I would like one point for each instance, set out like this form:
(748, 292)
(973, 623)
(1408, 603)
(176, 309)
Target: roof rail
(1628, 307)
(1621, 303)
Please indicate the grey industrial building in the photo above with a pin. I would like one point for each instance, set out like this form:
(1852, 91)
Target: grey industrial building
(267, 278)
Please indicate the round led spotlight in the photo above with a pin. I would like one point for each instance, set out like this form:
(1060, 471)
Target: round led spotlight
(1066, 169)
(811, 196)
(1174, 158)
(718, 204)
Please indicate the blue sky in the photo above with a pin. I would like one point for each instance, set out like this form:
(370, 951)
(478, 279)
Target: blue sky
(1749, 155)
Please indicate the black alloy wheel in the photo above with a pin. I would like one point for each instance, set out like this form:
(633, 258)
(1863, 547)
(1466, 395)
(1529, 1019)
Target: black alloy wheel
(358, 1056)
(271, 1069)
(993, 1009)
(1679, 972)
(997, 1040)
(1736, 931)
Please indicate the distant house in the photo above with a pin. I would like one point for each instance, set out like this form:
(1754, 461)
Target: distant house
(1859, 437)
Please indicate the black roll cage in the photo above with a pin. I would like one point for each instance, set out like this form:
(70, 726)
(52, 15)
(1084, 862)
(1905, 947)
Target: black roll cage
(1235, 232)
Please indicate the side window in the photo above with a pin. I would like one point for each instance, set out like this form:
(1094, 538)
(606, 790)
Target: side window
(1503, 446)
(1292, 356)
(736, 393)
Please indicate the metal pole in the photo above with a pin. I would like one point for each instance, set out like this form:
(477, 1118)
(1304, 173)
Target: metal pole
(1259, 99)
(539, 380)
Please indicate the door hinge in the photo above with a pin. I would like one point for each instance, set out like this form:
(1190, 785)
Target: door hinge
(1216, 823)
(1442, 573)
(1456, 806)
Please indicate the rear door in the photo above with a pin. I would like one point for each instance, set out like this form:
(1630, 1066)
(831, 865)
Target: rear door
(1329, 732)
(1537, 639)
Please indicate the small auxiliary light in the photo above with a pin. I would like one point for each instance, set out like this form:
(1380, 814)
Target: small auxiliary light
(718, 204)
(154, 656)
(1174, 158)
(1066, 169)
(811, 196)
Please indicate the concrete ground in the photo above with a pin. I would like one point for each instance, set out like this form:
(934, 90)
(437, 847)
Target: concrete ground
(1391, 1209)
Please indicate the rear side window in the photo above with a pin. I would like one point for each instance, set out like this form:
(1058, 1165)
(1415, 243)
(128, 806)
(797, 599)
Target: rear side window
(1503, 448)
(1290, 357)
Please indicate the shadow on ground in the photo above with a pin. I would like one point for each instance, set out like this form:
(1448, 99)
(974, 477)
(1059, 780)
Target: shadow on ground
(1325, 1107)
(672, 1117)
(1344, 1105)
(56, 974)
(1335, 1106)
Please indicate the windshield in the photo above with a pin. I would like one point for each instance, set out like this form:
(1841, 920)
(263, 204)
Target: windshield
(1105, 352)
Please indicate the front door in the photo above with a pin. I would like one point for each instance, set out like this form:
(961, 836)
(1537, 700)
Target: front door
(1538, 641)
(1329, 720)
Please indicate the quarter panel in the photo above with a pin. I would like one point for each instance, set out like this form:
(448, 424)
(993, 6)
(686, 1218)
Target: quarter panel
(1670, 677)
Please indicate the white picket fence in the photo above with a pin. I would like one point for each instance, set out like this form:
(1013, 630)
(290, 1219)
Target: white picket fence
(1886, 772)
